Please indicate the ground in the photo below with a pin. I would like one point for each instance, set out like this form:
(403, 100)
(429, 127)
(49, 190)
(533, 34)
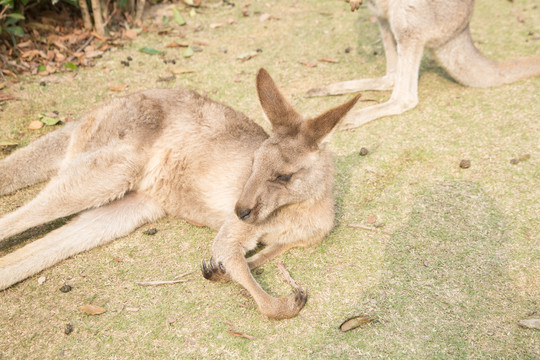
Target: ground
(449, 272)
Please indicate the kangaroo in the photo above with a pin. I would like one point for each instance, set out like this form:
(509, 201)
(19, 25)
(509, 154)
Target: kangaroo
(409, 26)
(174, 152)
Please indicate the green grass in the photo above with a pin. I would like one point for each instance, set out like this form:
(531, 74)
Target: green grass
(457, 271)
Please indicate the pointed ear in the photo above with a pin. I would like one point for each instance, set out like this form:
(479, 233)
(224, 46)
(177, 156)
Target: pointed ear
(281, 114)
(319, 129)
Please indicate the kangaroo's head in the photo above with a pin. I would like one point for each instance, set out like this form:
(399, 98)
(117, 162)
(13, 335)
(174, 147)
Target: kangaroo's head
(291, 166)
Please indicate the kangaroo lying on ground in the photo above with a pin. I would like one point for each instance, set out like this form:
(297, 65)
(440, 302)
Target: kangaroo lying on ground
(409, 26)
(175, 152)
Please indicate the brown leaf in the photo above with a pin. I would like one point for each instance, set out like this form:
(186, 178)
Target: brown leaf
(308, 64)
(34, 125)
(328, 60)
(120, 87)
(372, 219)
(182, 71)
(4, 96)
(216, 25)
(175, 44)
(265, 17)
(90, 309)
(239, 334)
(130, 34)
(355, 322)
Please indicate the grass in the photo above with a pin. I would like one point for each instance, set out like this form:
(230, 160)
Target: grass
(460, 267)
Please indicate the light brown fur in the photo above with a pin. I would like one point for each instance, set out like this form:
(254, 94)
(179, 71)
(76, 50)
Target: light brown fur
(174, 152)
(407, 28)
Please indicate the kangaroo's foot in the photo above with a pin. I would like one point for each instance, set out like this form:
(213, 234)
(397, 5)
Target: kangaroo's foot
(214, 272)
(286, 307)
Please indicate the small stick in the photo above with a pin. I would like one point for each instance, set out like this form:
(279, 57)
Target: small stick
(239, 334)
(287, 276)
(184, 274)
(158, 282)
(364, 227)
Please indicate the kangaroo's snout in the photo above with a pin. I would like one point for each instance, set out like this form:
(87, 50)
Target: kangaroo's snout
(243, 212)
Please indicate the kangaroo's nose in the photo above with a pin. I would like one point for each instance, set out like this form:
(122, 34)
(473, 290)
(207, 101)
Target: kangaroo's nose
(242, 212)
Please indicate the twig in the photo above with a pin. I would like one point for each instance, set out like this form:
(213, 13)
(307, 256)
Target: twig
(287, 276)
(158, 282)
(364, 227)
(239, 334)
(184, 274)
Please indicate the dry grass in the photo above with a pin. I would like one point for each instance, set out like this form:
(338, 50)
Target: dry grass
(461, 267)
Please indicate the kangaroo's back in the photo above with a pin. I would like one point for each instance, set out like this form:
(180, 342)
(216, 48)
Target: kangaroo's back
(202, 157)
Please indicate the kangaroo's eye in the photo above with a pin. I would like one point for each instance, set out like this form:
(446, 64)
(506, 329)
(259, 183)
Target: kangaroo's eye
(284, 177)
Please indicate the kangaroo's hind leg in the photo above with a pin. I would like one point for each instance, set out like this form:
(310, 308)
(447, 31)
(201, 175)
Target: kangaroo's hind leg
(92, 228)
(36, 162)
(87, 180)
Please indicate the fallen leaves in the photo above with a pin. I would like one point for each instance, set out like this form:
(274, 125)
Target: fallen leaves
(355, 322)
(239, 334)
(35, 125)
(182, 71)
(90, 309)
(247, 56)
(120, 87)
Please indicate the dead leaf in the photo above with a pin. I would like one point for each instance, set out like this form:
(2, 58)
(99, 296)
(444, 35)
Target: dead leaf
(355, 322)
(201, 42)
(246, 56)
(530, 323)
(308, 64)
(328, 60)
(4, 96)
(239, 334)
(182, 71)
(214, 26)
(174, 44)
(372, 219)
(41, 280)
(120, 87)
(265, 17)
(34, 125)
(90, 309)
(93, 54)
(130, 34)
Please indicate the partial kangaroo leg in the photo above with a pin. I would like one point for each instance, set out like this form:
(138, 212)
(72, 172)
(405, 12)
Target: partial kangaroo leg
(229, 250)
(383, 83)
(92, 228)
(88, 180)
(36, 162)
(405, 93)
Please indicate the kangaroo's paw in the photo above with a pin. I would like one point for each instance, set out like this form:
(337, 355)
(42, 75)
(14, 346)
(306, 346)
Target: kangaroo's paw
(214, 272)
(287, 307)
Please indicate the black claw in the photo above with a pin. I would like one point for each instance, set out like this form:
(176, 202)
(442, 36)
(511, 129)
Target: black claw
(221, 267)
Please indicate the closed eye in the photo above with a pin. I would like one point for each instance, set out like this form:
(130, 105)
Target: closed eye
(284, 177)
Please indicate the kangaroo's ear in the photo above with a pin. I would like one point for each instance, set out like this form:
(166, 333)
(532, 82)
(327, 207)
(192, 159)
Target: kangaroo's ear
(281, 114)
(319, 129)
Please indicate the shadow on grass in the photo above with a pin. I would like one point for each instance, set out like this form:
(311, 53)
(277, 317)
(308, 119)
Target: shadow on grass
(444, 291)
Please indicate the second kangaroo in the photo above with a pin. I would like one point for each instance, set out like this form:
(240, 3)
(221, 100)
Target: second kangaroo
(175, 152)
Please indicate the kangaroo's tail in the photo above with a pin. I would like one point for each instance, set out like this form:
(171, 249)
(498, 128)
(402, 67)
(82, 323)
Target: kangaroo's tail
(35, 162)
(466, 64)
